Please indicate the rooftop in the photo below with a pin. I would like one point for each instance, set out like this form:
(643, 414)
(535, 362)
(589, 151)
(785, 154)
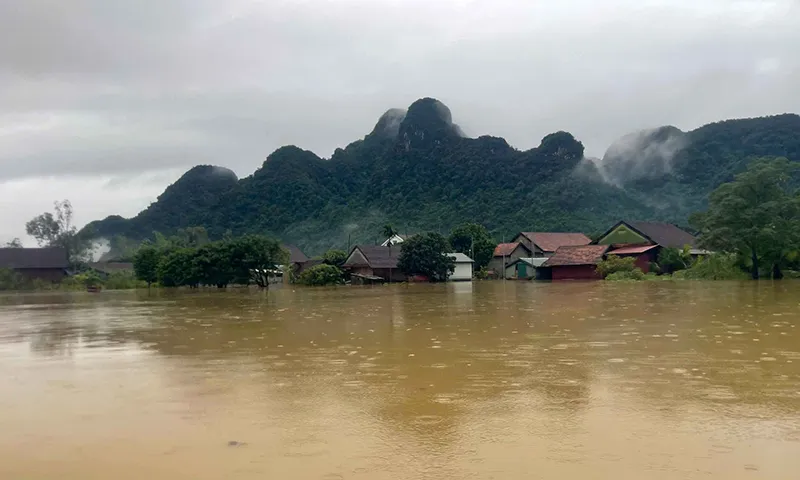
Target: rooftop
(550, 241)
(29, 258)
(505, 249)
(576, 255)
(665, 234)
(377, 256)
(460, 258)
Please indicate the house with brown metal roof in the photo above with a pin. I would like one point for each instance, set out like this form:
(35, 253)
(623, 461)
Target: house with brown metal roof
(545, 244)
(645, 240)
(374, 263)
(48, 264)
(573, 262)
(505, 254)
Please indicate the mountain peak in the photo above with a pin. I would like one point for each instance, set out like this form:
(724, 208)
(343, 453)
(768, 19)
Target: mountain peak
(428, 122)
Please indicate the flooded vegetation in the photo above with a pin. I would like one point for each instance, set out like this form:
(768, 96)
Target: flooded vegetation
(509, 380)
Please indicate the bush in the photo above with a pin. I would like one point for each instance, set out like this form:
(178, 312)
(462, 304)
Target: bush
(713, 267)
(615, 264)
(634, 275)
(320, 275)
(124, 280)
(10, 280)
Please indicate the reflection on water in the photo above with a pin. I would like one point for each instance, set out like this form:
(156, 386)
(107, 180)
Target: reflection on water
(491, 380)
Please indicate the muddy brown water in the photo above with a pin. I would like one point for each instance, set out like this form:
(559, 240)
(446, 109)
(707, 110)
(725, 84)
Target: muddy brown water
(492, 380)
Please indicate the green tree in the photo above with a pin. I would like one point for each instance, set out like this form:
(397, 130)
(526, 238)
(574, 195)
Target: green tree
(671, 260)
(58, 231)
(616, 264)
(14, 243)
(335, 258)
(757, 216)
(178, 268)
(320, 275)
(256, 257)
(215, 265)
(426, 254)
(146, 262)
(10, 280)
(473, 240)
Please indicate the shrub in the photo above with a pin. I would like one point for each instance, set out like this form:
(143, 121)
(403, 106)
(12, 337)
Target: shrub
(614, 264)
(633, 275)
(320, 275)
(124, 280)
(10, 280)
(713, 267)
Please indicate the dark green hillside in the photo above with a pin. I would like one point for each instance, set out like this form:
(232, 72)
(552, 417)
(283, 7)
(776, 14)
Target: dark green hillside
(417, 171)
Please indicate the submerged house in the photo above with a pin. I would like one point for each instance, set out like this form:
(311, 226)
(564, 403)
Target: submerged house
(463, 271)
(47, 264)
(371, 263)
(578, 262)
(507, 253)
(645, 240)
(524, 268)
(545, 244)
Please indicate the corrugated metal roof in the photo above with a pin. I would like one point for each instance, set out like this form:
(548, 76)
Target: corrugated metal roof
(377, 256)
(18, 258)
(550, 241)
(665, 234)
(632, 250)
(460, 258)
(577, 255)
(533, 262)
(295, 254)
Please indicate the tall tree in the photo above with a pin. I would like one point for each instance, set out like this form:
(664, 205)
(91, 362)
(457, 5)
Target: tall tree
(145, 263)
(58, 231)
(473, 239)
(256, 257)
(426, 254)
(757, 215)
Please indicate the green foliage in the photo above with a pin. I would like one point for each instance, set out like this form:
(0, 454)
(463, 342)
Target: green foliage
(123, 280)
(335, 258)
(145, 263)
(671, 260)
(718, 266)
(10, 280)
(756, 216)
(178, 268)
(426, 254)
(14, 243)
(626, 275)
(320, 275)
(58, 231)
(424, 176)
(616, 264)
(474, 241)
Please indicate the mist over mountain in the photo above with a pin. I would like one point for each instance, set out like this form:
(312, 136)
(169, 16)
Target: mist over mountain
(417, 171)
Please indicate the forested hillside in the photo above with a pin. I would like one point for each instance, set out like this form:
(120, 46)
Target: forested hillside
(417, 171)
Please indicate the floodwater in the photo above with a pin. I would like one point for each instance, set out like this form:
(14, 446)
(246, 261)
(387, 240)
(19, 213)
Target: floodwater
(496, 380)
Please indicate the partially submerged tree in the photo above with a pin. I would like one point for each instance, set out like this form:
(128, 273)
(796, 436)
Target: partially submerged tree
(58, 231)
(473, 240)
(756, 216)
(426, 254)
(145, 263)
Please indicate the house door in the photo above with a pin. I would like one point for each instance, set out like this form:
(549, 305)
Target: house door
(522, 270)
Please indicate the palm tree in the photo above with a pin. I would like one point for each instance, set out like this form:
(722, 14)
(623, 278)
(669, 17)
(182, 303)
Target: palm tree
(389, 232)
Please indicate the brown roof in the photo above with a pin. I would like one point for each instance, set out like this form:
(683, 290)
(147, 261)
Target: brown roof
(29, 258)
(377, 256)
(577, 255)
(664, 234)
(505, 249)
(550, 241)
(295, 254)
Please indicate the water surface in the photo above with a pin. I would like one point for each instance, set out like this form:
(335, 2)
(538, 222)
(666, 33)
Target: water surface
(500, 380)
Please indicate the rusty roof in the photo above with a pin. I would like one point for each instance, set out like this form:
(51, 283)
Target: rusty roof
(550, 241)
(29, 258)
(632, 250)
(505, 249)
(576, 255)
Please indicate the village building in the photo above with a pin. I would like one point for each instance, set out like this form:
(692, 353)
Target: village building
(463, 271)
(47, 264)
(506, 253)
(578, 262)
(545, 244)
(643, 241)
(371, 263)
(524, 268)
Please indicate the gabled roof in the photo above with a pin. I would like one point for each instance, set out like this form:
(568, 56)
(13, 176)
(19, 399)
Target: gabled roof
(632, 250)
(550, 241)
(460, 258)
(576, 255)
(295, 254)
(19, 258)
(376, 256)
(506, 249)
(664, 234)
(532, 261)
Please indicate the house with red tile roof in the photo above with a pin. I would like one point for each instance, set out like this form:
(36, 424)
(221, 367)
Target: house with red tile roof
(505, 254)
(545, 244)
(573, 262)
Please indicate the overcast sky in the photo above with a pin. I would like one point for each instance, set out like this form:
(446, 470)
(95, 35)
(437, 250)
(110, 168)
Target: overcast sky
(106, 102)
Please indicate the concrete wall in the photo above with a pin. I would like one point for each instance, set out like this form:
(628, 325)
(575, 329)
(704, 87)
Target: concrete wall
(463, 272)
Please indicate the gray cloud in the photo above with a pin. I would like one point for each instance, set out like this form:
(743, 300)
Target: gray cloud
(116, 88)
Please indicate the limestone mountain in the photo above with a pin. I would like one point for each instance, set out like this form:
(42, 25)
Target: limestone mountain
(418, 171)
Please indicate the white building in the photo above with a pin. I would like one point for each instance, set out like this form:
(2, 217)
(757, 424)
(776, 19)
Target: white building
(463, 271)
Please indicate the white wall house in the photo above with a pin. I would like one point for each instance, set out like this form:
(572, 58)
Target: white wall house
(463, 271)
